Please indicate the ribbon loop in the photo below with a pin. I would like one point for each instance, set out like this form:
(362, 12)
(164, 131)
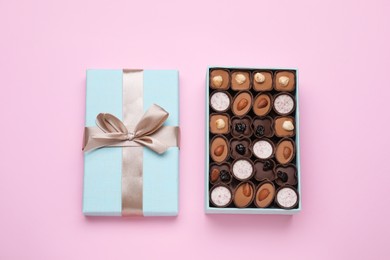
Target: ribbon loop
(151, 121)
(110, 124)
(113, 131)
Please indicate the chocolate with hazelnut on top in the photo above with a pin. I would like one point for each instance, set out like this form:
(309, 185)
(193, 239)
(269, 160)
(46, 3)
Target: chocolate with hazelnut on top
(285, 81)
(219, 79)
(262, 80)
(241, 80)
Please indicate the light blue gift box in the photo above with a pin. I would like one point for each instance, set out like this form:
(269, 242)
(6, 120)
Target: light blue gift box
(102, 167)
(215, 210)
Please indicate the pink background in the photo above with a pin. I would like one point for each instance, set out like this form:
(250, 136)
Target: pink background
(342, 51)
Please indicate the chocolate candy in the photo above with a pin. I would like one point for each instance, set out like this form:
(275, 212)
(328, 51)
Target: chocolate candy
(220, 101)
(242, 103)
(221, 196)
(284, 104)
(262, 104)
(284, 126)
(240, 80)
(241, 126)
(240, 148)
(252, 138)
(263, 148)
(220, 173)
(287, 197)
(243, 195)
(265, 194)
(263, 127)
(285, 151)
(219, 123)
(262, 80)
(219, 79)
(242, 169)
(286, 175)
(264, 170)
(284, 81)
(219, 149)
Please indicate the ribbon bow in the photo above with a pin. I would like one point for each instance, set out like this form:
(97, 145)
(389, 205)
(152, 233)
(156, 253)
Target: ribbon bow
(115, 132)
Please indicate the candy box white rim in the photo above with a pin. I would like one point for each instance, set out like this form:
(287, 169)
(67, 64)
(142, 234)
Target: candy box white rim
(215, 210)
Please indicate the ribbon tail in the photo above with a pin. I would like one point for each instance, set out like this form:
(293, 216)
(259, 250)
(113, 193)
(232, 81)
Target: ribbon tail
(152, 143)
(92, 145)
(101, 140)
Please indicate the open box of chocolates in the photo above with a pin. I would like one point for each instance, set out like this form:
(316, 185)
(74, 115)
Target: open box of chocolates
(252, 141)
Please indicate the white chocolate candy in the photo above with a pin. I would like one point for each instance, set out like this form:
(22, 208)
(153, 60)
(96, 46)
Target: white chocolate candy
(287, 197)
(221, 196)
(283, 80)
(242, 169)
(288, 125)
(220, 101)
(240, 78)
(284, 104)
(259, 77)
(263, 149)
(217, 81)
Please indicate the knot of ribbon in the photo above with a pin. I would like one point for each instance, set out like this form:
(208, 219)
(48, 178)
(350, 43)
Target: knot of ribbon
(113, 131)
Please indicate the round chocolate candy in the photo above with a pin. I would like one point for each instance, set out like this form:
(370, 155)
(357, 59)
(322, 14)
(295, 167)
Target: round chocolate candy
(287, 197)
(220, 196)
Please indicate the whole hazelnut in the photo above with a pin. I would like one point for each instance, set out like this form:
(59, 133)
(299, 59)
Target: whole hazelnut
(220, 123)
(283, 80)
(217, 81)
(288, 126)
(240, 78)
(259, 77)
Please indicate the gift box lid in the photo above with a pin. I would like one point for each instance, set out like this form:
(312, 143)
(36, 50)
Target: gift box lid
(102, 167)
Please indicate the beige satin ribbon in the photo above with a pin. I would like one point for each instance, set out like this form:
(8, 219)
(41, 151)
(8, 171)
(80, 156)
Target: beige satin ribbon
(132, 157)
(148, 132)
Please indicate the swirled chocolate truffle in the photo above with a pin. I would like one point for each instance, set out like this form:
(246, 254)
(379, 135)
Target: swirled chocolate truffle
(243, 195)
(240, 80)
(219, 79)
(240, 148)
(285, 151)
(284, 81)
(262, 81)
(241, 126)
(263, 127)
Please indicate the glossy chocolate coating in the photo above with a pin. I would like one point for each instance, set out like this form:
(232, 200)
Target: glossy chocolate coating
(264, 170)
(224, 74)
(263, 127)
(290, 171)
(241, 126)
(240, 148)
